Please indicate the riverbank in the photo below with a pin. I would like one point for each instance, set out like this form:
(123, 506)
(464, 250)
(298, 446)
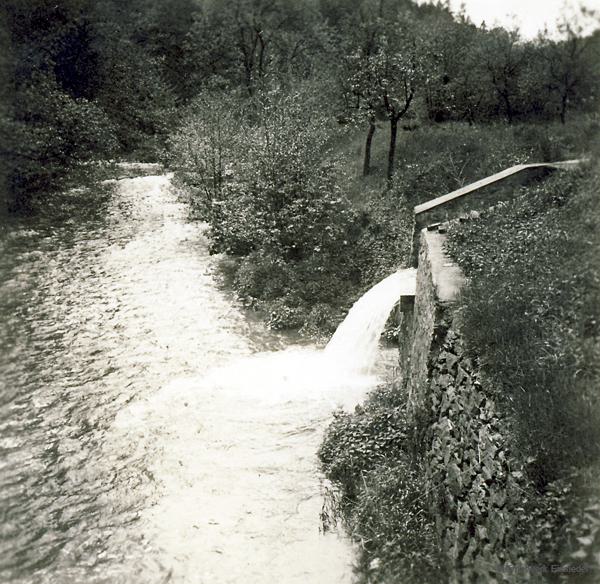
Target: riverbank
(149, 430)
(302, 252)
(497, 466)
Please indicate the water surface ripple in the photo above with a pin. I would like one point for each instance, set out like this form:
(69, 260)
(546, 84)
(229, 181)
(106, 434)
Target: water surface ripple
(149, 430)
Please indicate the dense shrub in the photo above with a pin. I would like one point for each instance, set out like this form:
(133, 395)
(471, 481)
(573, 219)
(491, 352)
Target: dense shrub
(358, 442)
(75, 87)
(267, 184)
(48, 136)
(382, 490)
(262, 276)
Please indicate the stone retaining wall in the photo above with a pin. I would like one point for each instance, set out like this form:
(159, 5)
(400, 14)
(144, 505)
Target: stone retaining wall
(472, 482)
(438, 283)
(474, 486)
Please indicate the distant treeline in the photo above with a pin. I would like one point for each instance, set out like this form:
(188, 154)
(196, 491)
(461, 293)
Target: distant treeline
(93, 79)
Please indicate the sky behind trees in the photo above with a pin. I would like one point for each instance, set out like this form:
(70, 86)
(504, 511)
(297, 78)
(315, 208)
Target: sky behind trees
(531, 16)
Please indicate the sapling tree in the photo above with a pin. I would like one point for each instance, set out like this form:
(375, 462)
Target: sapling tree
(380, 75)
(357, 107)
(358, 104)
(205, 147)
(388, 78)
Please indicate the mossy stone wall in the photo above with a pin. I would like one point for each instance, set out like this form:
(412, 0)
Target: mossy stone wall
(473, 484)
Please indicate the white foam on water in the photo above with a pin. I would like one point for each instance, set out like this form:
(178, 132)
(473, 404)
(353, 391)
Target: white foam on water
(355, 343)
(229, 451)
(233, 454)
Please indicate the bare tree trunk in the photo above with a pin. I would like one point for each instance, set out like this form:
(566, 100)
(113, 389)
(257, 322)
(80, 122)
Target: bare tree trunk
(508, 106)
(563, 109)
(392, 150)
(368, 143)
(261, 54)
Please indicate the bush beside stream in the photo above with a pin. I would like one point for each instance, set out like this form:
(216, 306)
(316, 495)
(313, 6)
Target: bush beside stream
(369, 456)
(305, 233)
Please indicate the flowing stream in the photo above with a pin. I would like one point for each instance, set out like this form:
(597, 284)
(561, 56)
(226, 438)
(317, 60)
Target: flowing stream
(355, 344)
(150, 430)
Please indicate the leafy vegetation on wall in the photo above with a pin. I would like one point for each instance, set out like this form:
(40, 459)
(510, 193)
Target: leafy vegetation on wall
(531, 313)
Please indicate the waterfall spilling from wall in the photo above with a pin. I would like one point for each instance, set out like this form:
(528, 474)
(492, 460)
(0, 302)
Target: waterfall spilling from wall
(354, 344)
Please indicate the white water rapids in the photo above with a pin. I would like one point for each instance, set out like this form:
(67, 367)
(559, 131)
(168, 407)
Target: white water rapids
(153, 432)
(355, 344)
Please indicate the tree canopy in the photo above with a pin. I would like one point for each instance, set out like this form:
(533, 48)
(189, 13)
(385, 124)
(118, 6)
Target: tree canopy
(95, 79)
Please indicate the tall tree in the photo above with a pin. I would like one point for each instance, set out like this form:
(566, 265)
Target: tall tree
(570, 68)
(504, 60)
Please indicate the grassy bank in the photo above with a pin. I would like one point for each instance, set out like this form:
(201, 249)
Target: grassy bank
(531, 314)
(529, 318)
